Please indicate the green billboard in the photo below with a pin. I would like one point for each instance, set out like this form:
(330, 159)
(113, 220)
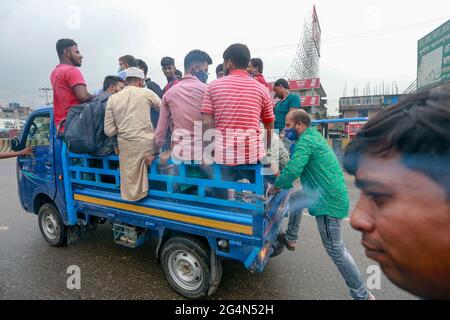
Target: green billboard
(433, 60)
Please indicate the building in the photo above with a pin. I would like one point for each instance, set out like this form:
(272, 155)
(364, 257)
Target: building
(366, 106)
(14, 112)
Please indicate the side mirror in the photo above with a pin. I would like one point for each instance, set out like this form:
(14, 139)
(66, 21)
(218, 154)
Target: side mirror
(15, 144)
(33, 129)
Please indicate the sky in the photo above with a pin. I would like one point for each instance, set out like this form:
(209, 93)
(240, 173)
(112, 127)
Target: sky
(362, 41)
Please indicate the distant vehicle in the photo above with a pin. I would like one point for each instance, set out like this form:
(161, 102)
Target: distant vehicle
(195, 232)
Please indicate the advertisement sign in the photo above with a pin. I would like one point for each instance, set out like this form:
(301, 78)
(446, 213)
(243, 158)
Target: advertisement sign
(317, 33)
(433, 58)
(352, 128)
(304, 84)
(310, 101)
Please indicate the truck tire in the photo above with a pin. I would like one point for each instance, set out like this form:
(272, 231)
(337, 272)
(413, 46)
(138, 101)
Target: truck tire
(52, 226)
(187, 266)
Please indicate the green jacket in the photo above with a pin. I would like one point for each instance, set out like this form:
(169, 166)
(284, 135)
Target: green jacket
(320, 174)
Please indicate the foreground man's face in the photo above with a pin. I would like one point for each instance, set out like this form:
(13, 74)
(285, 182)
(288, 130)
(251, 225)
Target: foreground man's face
(404, 217)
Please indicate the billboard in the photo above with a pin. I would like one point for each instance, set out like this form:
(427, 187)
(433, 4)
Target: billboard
(352, 128)
(306, 101)
(433, 58)
(310, 101)
(317, 33)
(304, 84)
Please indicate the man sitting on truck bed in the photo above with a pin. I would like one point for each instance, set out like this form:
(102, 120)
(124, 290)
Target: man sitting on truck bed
(128, 116)
(111, 85)
(181, 106)
(234, 106)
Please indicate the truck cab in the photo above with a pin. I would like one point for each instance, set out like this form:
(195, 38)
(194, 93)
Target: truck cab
(195, 231)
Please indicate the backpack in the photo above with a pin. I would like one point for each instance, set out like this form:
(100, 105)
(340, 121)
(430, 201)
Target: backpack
(84, 128)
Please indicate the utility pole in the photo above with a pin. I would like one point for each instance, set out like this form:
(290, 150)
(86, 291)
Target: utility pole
(46, 90)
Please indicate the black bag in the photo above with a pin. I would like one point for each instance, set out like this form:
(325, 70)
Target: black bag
(84, 129)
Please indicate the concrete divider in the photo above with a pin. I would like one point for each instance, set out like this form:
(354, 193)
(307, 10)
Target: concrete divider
(5, 145)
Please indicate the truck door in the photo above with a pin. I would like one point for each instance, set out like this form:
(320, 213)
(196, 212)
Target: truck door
(36, 171)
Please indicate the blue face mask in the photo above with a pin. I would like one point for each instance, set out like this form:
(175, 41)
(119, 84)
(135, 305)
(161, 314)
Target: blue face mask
(201, 75)
(291, 134)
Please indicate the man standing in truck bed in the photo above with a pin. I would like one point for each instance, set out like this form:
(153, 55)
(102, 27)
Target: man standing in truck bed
(128, 116)
(69, 87)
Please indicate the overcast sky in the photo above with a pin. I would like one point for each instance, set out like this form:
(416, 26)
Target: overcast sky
(362, 41)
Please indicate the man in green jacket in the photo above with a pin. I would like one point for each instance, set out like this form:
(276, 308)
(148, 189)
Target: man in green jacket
(324, 187)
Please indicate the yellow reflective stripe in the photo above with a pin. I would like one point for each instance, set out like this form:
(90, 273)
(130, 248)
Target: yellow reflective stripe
(227, 226)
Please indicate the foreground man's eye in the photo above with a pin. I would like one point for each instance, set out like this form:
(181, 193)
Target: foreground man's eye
(378, 197)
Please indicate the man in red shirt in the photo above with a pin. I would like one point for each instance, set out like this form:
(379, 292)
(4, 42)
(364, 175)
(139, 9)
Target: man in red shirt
(69, 87)
(169, 70)
(255, 69)
(235, 105)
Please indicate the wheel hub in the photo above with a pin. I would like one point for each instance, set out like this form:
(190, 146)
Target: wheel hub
(50, 226)
(185, 270)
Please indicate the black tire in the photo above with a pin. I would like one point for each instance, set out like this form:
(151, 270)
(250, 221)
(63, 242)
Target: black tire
(52, 226)
(192, 256)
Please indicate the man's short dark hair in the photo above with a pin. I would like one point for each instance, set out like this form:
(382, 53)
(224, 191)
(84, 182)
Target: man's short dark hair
(167, 61)
(196, 56)
(418, 128)
(301, 116)
(238, 54)
(142, 65)
(129, 60)
(219, 68)
(258, 64)
(281, 83)
(111, 81)
(64, 44)
(179, 74)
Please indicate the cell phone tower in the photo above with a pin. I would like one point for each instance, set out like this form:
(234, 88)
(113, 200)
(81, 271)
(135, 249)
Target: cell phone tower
(306, 61)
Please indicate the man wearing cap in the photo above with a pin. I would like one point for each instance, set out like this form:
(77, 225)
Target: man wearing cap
(128, 116)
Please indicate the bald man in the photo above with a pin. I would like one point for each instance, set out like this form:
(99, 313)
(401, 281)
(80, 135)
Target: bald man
(324, 194)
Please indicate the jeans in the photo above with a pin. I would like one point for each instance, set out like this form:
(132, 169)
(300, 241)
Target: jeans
(297, 202)
(330, 230)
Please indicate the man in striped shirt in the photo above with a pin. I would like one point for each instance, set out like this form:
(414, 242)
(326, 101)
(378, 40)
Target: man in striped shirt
(235, 105)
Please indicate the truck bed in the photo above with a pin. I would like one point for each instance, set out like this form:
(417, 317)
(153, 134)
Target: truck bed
(95, 188)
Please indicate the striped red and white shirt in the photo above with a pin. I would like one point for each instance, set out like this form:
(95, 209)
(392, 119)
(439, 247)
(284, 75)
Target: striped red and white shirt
(238, 104)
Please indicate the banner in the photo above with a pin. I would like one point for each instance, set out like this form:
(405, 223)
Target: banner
(310, 101)
(433, 58)
(305, 84)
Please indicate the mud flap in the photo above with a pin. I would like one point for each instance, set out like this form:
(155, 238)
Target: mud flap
(73, 234)
(216, 273)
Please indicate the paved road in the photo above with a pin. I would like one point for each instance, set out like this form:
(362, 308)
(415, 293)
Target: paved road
(31, 269)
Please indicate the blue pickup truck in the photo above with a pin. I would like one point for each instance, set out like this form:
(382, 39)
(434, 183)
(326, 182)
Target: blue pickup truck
(73, 192)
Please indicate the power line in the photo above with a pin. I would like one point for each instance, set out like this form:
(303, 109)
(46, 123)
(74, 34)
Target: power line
(357, 35)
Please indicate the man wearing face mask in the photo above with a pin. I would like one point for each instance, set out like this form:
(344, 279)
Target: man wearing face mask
(181, 106)
(126, 62)
(128, 116)
(315, 163)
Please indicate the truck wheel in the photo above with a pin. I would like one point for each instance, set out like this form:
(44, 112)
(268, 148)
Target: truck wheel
(52, 226)
(187, 266)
